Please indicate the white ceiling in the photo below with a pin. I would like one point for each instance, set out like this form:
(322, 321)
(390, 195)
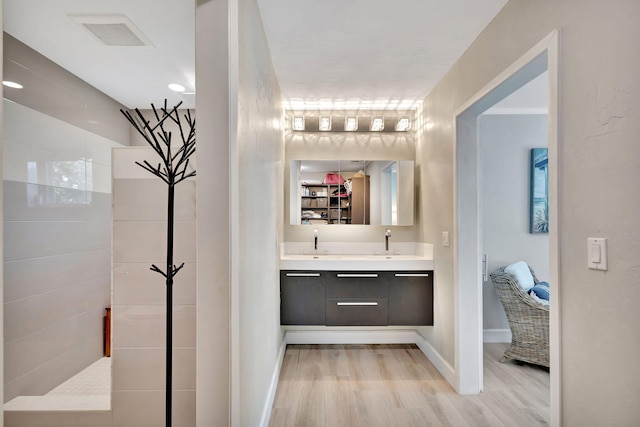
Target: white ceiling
(368, 54)
(326, 54)
(134, 76)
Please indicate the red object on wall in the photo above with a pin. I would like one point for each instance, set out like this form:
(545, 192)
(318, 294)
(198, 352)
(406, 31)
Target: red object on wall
(107, 332)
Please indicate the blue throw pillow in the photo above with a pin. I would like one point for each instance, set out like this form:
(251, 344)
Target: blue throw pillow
(520, 270)
(541, 290)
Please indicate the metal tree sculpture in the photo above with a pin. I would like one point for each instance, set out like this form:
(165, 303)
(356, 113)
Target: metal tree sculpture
(173, 169)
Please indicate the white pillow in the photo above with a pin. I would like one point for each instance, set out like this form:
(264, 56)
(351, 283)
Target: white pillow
(522, 274)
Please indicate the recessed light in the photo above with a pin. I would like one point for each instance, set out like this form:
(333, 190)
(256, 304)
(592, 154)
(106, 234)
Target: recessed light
(176, 87)
(11, 84)
(298, 123)
(403, 124)
(351, 124)
(377, 124)
(325, 124)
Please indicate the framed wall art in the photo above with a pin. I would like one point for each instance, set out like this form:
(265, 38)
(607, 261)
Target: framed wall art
(539, 191)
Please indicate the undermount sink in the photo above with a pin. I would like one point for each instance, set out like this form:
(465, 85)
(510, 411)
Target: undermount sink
(355, 262)
(354, 257)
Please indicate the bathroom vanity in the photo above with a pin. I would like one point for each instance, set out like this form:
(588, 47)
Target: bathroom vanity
(355, 290)
(354, 283)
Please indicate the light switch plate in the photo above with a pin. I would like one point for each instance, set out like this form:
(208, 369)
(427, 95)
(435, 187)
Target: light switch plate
(445, 238)
(597, 253)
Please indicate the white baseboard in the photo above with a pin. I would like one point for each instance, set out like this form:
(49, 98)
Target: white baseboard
(496, 335)
(397, 336)
(447, 371)
(268, 405)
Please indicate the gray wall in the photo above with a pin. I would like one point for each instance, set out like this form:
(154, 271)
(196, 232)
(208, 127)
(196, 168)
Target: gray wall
(505, 143)
(599, 164)
(57, 221)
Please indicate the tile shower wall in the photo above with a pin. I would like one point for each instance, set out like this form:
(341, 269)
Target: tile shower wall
(139, 313)
(57, 244)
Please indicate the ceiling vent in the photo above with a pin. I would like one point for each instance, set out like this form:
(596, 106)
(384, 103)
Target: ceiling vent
(112, 30)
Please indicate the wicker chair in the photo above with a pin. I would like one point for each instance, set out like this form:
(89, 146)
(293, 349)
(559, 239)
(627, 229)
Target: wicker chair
(528, 320)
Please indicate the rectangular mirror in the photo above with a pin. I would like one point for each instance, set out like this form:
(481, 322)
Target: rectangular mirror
(366, 192)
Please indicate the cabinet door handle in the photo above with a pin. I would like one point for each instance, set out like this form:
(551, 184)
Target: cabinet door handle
(356, 275)
(357, 303)
(303, 274)
(412, 275)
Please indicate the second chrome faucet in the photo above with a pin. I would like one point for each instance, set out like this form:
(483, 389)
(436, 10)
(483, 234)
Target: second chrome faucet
(387, 234)
(315, 239)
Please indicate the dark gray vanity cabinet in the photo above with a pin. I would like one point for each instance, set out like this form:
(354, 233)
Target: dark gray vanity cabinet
(352, 298)
(411, 298)
(302, 297)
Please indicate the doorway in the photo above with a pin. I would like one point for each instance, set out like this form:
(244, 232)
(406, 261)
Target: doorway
(468, 220)
(507, 134)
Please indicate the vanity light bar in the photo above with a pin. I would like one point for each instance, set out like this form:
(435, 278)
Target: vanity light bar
(325, 123)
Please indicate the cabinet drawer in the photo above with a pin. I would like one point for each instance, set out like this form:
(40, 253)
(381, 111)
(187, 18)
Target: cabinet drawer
(356, 285)
(357, 312)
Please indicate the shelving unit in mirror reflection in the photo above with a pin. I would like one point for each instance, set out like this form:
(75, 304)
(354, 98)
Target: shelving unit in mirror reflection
(325, 204)
(335, 203)
(378, 192)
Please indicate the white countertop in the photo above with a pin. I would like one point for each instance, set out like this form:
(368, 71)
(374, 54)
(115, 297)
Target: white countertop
(350, 262)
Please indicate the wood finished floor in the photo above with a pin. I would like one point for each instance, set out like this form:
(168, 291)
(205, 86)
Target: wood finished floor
(396, 385)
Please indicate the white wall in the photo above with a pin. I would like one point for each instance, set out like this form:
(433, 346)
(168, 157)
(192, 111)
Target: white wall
(216, 80)
(239, 214)
(260, 163)
(505, 145)
(599, 160)
(57, 240)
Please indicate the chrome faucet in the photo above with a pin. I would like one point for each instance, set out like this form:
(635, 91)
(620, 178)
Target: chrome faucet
(315, 239)
(387, 234)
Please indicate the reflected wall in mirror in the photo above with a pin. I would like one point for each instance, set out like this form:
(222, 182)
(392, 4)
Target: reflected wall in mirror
(366, 192)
